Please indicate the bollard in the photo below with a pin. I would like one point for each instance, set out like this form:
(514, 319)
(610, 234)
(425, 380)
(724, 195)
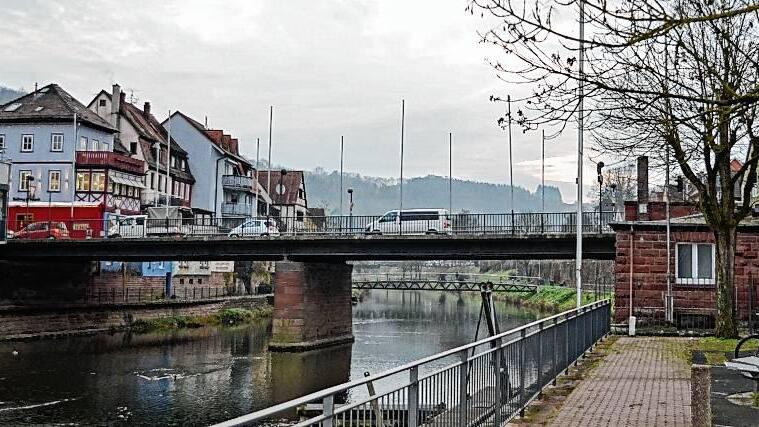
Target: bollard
(701, 410)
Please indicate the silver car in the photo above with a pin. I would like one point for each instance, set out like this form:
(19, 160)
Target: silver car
(255, 227)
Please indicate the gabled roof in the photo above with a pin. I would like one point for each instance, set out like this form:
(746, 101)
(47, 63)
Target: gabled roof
(291, 182)
(222, 141)
(50, 104)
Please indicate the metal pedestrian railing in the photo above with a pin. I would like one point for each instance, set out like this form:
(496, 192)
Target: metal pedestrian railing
(490, 381)
(522, 224)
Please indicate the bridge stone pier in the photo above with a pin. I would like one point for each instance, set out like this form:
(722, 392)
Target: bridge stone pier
(312, 305)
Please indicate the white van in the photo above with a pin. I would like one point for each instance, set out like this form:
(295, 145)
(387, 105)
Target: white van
(412, 221)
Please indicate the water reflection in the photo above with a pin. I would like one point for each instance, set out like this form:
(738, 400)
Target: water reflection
(198, 376)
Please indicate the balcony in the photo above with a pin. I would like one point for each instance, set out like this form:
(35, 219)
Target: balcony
(110, 160)
(149, 199)
(238, 182)
(237, 209)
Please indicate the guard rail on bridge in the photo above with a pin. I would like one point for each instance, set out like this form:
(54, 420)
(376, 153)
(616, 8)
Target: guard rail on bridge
(486, 382)
(349, 226)
(445, 282)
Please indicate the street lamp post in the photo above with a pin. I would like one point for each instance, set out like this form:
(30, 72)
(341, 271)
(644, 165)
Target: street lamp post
(599, 168)
(350, 209)
(29, 195)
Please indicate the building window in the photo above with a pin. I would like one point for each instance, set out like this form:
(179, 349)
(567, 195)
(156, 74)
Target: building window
(191, 281)
(23, 180)
(82, 143)
(54, 181)
(2, 142)
(181, 281)
(695, 263)
(133, 147)
(98, 181)
(82, 181)
(205, 265)
(56, 142)
(94, 145)
(200, 281)
(27, 143)
(101, 102)
(299, 216)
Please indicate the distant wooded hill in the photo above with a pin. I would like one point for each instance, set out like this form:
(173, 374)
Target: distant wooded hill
(374, 196)
(8, 94)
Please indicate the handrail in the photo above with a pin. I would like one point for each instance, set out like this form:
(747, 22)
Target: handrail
(547, 322)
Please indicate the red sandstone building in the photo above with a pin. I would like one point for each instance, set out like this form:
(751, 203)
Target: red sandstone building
(641, 265)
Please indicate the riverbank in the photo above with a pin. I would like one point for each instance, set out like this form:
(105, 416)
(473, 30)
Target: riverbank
(50, 321)
(225, 317)
(553, 299)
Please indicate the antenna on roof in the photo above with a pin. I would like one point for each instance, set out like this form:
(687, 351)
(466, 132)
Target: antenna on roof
(35, 86)
(205, 123)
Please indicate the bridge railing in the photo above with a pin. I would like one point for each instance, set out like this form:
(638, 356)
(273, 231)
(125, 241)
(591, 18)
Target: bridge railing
(446, 277)
(338, 226)
(486, 382)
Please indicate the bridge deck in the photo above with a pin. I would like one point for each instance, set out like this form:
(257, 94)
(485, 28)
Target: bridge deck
(314, 248)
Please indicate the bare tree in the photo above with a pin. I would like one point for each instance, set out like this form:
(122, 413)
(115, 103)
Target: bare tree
(659, 76)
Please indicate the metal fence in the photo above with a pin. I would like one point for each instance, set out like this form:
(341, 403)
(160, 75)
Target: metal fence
(346, 225)
(489, 381)
(147, 294)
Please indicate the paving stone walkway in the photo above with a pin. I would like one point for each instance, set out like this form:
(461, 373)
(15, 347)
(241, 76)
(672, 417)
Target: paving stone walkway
(639, 383)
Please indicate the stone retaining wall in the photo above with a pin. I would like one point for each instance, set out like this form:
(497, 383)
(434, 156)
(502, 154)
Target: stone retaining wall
(25, 322)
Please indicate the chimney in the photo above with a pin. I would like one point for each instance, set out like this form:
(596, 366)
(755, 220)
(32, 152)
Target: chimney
(146, 109)
(643, 187)
(116, 98)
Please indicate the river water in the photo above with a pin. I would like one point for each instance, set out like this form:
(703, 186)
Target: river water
(200, 376)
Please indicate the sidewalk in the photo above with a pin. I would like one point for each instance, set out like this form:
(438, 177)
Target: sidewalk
(640, 383)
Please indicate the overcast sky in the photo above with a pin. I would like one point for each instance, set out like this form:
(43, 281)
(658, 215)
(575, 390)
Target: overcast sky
(328, 67)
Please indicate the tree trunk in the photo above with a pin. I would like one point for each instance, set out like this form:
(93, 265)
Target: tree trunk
(726, 325)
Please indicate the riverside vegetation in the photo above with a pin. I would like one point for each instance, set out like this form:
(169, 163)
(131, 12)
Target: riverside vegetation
(225, 317)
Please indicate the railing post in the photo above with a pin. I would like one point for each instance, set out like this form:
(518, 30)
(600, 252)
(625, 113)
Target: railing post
(498, 380)
(463, 388)
(554, 371)
(328, 408)
(540, 358)
(567, 362)
(522, 369)
(413, 397)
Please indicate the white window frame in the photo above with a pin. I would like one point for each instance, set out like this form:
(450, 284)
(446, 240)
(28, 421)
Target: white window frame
(50, 188)
(23, 143)
(694, 265)
(23, 183)
(82, 143)
(53, 142)
(2, 141)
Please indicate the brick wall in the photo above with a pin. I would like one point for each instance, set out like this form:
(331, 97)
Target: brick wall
(657, 211)
(312, 304)
(650, 273)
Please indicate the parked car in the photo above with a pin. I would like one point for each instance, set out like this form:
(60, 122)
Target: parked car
(137, 226)
(44, 230)
(412, 221)
(255, 227)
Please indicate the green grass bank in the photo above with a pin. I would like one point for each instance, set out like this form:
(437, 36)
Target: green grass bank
(547, 299)
(225, 317)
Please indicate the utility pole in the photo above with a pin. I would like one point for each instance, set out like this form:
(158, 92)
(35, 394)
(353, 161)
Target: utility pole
(268, 173)
(341, 176)
(543, 172)
(403, 123)
(511, 169)
(258, 145)
(450, 173)
(168, 168)
(580, 126)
